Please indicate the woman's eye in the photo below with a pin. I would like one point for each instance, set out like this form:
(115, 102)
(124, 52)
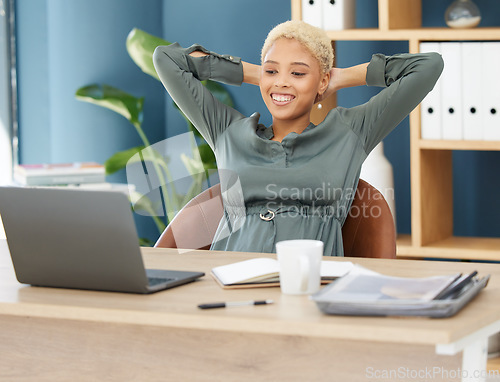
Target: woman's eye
(298, 74)
(270, 71)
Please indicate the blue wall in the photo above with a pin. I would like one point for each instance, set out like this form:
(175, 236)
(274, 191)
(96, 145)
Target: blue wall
(225, 26)
(63, 45)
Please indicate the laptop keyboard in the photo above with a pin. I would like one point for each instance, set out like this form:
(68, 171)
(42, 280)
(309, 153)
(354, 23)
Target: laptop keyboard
(158, 280)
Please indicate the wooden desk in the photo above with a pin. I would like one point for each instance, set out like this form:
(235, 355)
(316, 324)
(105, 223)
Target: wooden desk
(61, 335)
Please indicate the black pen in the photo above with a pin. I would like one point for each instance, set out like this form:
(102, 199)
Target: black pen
(234, 303)
(457, 286)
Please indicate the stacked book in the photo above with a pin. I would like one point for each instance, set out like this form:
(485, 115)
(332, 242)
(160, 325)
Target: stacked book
(59, 174)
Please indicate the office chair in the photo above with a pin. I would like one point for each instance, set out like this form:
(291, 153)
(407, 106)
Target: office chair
(368, 231)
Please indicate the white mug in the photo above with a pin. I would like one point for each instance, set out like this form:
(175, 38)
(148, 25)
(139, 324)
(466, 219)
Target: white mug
(300, 264)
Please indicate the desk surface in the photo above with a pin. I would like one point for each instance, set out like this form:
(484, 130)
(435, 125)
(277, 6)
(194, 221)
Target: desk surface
(290, 315)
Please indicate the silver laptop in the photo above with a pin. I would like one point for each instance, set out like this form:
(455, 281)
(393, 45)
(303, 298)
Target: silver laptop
(79, 239)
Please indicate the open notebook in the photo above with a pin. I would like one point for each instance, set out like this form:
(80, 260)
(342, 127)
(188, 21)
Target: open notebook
(264, 272)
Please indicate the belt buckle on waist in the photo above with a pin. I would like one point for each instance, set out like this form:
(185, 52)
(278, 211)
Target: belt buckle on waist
(268, 216)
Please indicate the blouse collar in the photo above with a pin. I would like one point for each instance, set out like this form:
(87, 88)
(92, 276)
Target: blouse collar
(268, 133)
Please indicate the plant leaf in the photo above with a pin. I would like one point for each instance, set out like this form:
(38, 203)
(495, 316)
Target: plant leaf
(145, 242)
(193, 165)
(114, 99)
(141, 46)
(207, 156)
(120, 159)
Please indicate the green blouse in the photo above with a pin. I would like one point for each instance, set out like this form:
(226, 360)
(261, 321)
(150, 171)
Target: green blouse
(302, 187)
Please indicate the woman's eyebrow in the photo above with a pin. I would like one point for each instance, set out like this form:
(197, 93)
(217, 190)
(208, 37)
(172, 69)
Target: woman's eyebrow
(300, 63)
(293, 63)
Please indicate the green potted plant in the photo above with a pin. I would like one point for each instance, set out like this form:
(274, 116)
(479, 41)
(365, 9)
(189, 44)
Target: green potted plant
(140, 46)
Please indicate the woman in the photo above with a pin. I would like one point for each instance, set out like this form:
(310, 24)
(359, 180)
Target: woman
(297, 179)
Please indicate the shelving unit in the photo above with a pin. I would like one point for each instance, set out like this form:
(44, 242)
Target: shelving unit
(431, 160)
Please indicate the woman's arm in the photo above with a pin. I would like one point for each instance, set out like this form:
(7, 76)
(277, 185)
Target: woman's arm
(341, 78)
(181, 71)
(406, 78)
(251, 72)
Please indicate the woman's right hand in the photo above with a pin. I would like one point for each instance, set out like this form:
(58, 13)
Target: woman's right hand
(251, 73)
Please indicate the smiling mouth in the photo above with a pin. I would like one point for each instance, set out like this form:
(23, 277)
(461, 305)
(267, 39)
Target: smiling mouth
(282, 98)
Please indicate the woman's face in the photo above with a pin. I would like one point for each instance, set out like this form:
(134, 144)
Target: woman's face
(290, 80)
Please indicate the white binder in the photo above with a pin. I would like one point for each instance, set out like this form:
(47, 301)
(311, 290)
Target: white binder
(339, 14)
(430, 108)
(451, 91)
(491, 89)
(472, 91)
(312, 12)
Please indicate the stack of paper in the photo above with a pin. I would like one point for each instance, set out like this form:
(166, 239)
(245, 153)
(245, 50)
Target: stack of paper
(363, 292)
(62, 173)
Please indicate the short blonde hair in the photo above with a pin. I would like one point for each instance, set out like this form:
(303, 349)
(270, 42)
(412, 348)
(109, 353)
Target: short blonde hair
(312, 38)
